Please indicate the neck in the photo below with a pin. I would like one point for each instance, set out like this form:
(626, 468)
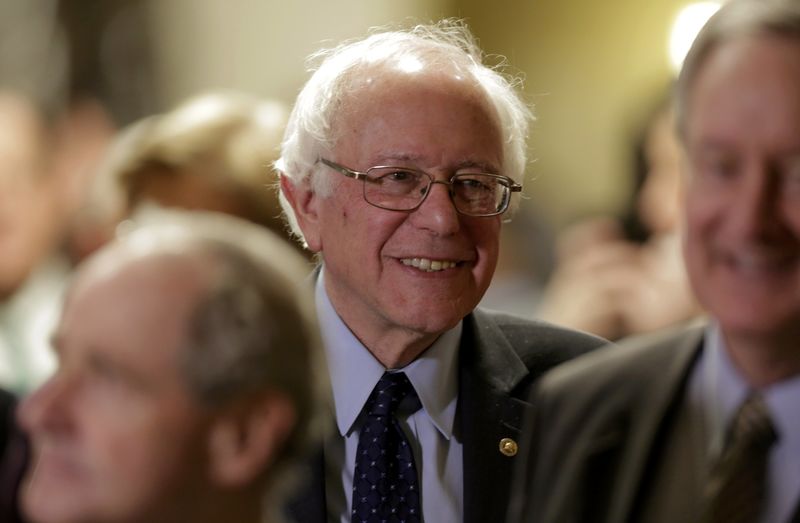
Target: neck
(395, 350)
(394, 346)
(764, 360)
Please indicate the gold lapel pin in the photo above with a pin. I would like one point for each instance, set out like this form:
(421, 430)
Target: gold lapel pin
(508, 447)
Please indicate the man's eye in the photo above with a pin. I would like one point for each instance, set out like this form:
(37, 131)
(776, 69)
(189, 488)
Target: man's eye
(400, 176)
(476, 184)
(717, 167)
(472, 184)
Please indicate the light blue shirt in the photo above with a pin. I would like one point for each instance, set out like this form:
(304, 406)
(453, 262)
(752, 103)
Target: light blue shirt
(354, 372)
(719, 388)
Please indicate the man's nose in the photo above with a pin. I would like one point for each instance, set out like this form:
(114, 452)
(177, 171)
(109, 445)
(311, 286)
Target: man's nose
(438, 212)
(758, 203)
(45, 408)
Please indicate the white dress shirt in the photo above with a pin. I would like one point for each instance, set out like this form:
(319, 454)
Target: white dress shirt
(719, 388)
(436, 445)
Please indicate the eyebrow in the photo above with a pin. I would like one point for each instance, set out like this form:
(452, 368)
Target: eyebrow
(415, 159)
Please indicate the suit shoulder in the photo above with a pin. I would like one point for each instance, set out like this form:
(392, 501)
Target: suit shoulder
(637, 362)
(540, 344)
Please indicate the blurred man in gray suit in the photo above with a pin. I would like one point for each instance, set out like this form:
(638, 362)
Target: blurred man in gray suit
(701, 424)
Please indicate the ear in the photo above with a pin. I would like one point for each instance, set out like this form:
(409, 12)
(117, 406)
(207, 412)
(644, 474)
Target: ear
(305, 202)
(247, 439)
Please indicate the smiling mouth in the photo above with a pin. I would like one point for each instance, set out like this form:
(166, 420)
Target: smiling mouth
(428, 265)
(759, 263)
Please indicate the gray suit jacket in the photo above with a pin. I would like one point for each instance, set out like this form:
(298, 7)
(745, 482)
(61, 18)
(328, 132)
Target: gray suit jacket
(500, 358)
(597, 428)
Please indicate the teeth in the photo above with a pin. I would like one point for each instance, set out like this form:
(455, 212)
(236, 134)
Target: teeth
(759, 262)
(428, 265)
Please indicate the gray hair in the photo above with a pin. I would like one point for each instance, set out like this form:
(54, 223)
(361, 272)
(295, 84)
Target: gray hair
(735, 19)
(448, 43)
(254, 328)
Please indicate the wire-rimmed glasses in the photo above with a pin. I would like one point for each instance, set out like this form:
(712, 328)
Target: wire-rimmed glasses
(405, 188)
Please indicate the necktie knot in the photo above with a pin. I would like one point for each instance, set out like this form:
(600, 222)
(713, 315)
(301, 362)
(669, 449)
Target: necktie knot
(392, 389)
(752, 425)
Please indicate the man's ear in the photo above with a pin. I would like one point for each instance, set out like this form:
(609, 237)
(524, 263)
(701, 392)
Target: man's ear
(305, 202)
(247, 439)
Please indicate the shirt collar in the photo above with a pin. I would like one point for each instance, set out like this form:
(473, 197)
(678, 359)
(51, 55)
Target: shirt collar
(355, 371)
(726, 389)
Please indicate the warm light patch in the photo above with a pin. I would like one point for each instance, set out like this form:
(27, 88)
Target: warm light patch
(687, 24)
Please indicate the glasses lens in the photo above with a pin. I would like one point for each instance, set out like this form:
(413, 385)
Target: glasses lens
(395, 188)
(480, 194)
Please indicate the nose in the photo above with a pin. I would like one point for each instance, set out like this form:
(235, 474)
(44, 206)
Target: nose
(438, 212)
(756, 213)
(47, 408)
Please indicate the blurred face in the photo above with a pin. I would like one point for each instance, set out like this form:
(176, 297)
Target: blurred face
(419, 271)
(115, 436)
(27, 217)
(743, 200)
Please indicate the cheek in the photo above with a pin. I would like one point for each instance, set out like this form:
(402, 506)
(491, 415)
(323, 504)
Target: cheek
(700, 209)
(486, 236)
(142, 437)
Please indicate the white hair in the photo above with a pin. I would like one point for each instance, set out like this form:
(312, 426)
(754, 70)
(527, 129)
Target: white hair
(449, 43)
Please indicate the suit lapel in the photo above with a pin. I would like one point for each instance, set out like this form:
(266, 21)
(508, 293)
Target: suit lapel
(489, 371)
(658, 404)
(309, 504)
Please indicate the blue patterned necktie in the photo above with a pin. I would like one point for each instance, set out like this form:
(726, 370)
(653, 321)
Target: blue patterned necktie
(385, 484)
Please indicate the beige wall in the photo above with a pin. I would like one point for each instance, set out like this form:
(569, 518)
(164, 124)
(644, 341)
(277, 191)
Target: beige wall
(261, 45)
(592, 67)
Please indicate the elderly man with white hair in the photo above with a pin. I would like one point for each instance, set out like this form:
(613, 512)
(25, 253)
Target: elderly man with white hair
(401, 156)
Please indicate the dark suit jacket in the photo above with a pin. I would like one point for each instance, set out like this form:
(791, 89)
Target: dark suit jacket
(13, 456)
(500, 358)
(597, 428)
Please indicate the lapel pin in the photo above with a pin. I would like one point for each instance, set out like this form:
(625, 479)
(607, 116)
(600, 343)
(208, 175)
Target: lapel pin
(508, 447)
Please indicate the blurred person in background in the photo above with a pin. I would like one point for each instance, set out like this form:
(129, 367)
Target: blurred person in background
(212, 152)
(616, 278)
(700, 423)
(55, 123)
(188, 380)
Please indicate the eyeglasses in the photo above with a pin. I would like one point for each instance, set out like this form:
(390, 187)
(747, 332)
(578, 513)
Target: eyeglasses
(404, 189)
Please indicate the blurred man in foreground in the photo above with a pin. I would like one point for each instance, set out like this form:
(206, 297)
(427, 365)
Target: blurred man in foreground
(702, 424)
(187, 380)
(401, 156)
